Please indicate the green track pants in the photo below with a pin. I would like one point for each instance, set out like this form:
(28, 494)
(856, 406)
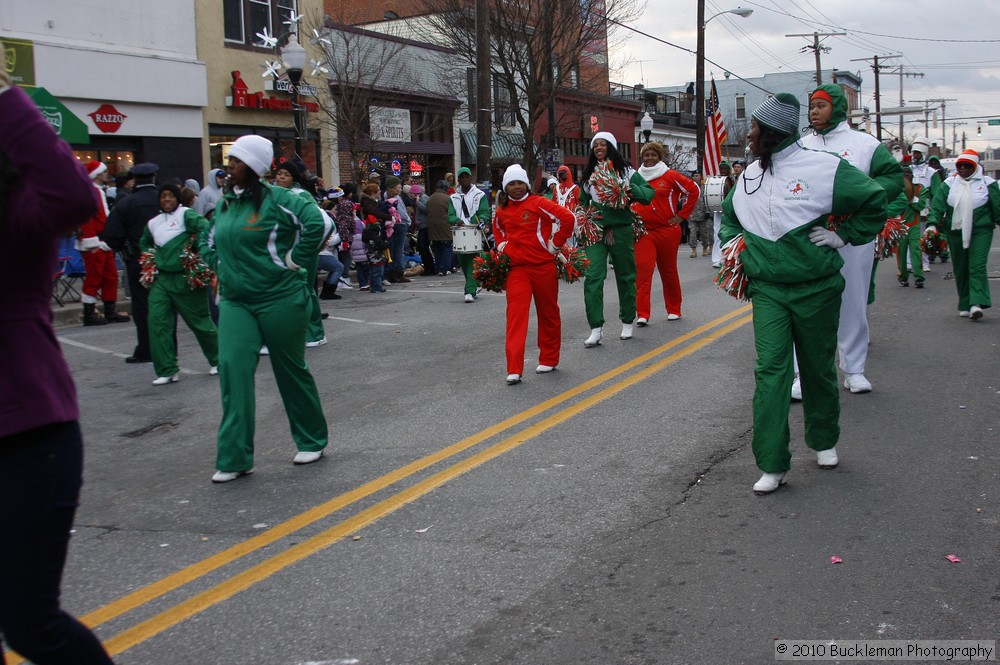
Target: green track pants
(169, 296)
(806, 315)
(971, 278)
(623, 259)
(243, 328)
(465, 262)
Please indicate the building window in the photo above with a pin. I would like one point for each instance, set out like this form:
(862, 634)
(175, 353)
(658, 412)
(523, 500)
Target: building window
(243, 19)
(741, 107)
(503, 110)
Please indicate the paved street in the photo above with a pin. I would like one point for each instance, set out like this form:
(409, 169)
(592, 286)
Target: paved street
(600, 514)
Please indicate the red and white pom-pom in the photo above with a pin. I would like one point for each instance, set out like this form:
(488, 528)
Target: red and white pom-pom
(588, 231)
(731, 278)
(611, 190)
(933, 243)
(196, 272)
(490, 270)
(147, 268)
(638, 228)
(887, 242)
(572, 264)
(836, 222)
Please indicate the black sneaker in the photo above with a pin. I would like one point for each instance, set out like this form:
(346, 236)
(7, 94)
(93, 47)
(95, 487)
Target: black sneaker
(919, 284)
(903, 282)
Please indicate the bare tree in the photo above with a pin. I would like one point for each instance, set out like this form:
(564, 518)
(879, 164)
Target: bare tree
(537, 46)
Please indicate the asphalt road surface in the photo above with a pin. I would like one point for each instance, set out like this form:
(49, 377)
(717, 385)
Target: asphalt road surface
(599, 514)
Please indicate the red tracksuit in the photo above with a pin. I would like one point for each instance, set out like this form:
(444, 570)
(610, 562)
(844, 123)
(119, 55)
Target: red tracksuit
(102, 274)
(522, 230)
(659, 246)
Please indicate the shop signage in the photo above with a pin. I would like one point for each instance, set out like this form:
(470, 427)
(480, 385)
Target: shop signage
(69, 127)
(416, 168)
(390, 124)
(284, 85)
(242, 98)
(396, 167)
(19, 61)
(107, 118)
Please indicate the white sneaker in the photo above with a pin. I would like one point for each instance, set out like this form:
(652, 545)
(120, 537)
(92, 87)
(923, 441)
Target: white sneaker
(386, 282)
(627, 329)
(673, 317)
(214, 371)
(642, 322)
(975, 312)
(797, 389)
(544, 369)
(307, 456)
(320, 342)
(827, 459)
(513, 378)
(857, 383)
(226, 476)
(769, 482)
(264, 351)
(164, 380)
(595, 337)
(470, 298)
(964, 313)
(346, 284)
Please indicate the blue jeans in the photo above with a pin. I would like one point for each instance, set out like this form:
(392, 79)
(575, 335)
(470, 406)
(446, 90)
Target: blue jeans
(442, 255)
(397, 246)
(40, 476)
(333, 266)
(372, 275)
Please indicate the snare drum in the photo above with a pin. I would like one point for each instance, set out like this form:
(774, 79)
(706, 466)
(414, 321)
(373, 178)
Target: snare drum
(715, 192)
(466, 240)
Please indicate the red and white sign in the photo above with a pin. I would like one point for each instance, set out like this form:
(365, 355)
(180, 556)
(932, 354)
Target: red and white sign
(107, 118)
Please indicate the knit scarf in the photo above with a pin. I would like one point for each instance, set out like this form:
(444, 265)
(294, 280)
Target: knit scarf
(653, 172)
(961, 200)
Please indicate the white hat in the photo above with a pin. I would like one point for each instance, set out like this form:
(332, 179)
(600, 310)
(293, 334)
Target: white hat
(921, 143)
(607, 136)
(970, 156)
(552, 181)
(254, 151)
(515, 173)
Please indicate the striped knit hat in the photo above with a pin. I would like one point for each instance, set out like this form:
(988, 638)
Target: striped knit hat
(780, 113)
(970, 156)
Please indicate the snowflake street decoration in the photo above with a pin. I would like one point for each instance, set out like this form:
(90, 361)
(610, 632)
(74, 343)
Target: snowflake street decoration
(270, 68)
(317, 37)
(267, 41)
(318, 67)
(293, 18)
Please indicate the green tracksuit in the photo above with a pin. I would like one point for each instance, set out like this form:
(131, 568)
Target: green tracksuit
(622, 252)
(259, 257)
(170, 295)
(910, 246)
(971, 278)
(796, 285)
(475, 212)
(314, 329)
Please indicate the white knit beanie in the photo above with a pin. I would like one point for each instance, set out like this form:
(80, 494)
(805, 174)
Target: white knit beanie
(607, 136)
(254, 151)
(923, 144)
(515, 173)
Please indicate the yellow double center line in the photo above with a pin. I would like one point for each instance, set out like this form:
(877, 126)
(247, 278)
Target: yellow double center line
(228, 588)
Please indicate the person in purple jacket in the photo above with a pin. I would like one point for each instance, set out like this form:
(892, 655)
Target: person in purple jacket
(44, 195)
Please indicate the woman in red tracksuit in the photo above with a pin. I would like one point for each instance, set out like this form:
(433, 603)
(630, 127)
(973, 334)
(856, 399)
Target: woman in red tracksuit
(663, 218)
(530, 229)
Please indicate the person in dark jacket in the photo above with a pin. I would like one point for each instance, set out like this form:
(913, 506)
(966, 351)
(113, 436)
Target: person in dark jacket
(124, 229)
(44, 195)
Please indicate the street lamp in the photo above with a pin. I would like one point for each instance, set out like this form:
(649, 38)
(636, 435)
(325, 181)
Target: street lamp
(293, 56)
(700, 75)
(646, 124)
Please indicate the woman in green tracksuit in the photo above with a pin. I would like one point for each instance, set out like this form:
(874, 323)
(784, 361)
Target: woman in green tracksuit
(166, 237)
(968, 207)
(259, 239)
(781, 205)
(615, 221)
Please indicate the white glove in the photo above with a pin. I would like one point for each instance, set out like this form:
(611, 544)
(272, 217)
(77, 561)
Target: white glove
(931, 228)
(87, 244)
(551, 247)
(824, 238)
(104, 247)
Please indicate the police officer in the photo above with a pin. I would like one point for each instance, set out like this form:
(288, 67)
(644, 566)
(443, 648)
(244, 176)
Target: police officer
(123, 231)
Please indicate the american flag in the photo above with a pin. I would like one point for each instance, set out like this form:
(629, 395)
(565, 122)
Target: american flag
(715, 135)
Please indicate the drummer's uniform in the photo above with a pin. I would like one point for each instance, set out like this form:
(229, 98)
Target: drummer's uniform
(471, 208)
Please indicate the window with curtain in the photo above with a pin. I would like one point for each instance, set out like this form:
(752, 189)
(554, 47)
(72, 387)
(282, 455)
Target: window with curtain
(243, 19)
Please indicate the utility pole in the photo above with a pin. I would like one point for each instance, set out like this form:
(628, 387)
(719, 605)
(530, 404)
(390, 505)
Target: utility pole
(877, 68)
(817, 49)
(954, 137)
(944, 128)
(484, 125)
(902, 72)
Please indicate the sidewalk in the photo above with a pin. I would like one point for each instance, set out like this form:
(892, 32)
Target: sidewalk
(71, 314)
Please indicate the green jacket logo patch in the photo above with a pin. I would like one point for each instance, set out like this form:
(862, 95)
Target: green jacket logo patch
(798, 190)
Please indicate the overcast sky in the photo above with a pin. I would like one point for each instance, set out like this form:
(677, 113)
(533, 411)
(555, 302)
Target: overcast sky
(965, 70)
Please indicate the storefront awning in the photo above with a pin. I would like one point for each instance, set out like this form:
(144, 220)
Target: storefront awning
(69, 128)
(505, 146)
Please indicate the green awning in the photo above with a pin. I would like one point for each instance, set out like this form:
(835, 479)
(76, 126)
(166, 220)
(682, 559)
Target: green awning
(69, 128)
(505, 146)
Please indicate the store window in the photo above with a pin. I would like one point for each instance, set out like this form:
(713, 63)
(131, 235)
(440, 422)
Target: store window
(503, 109)
(117, 161)
(243, 19)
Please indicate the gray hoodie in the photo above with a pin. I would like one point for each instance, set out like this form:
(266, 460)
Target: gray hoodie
(211, 193)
